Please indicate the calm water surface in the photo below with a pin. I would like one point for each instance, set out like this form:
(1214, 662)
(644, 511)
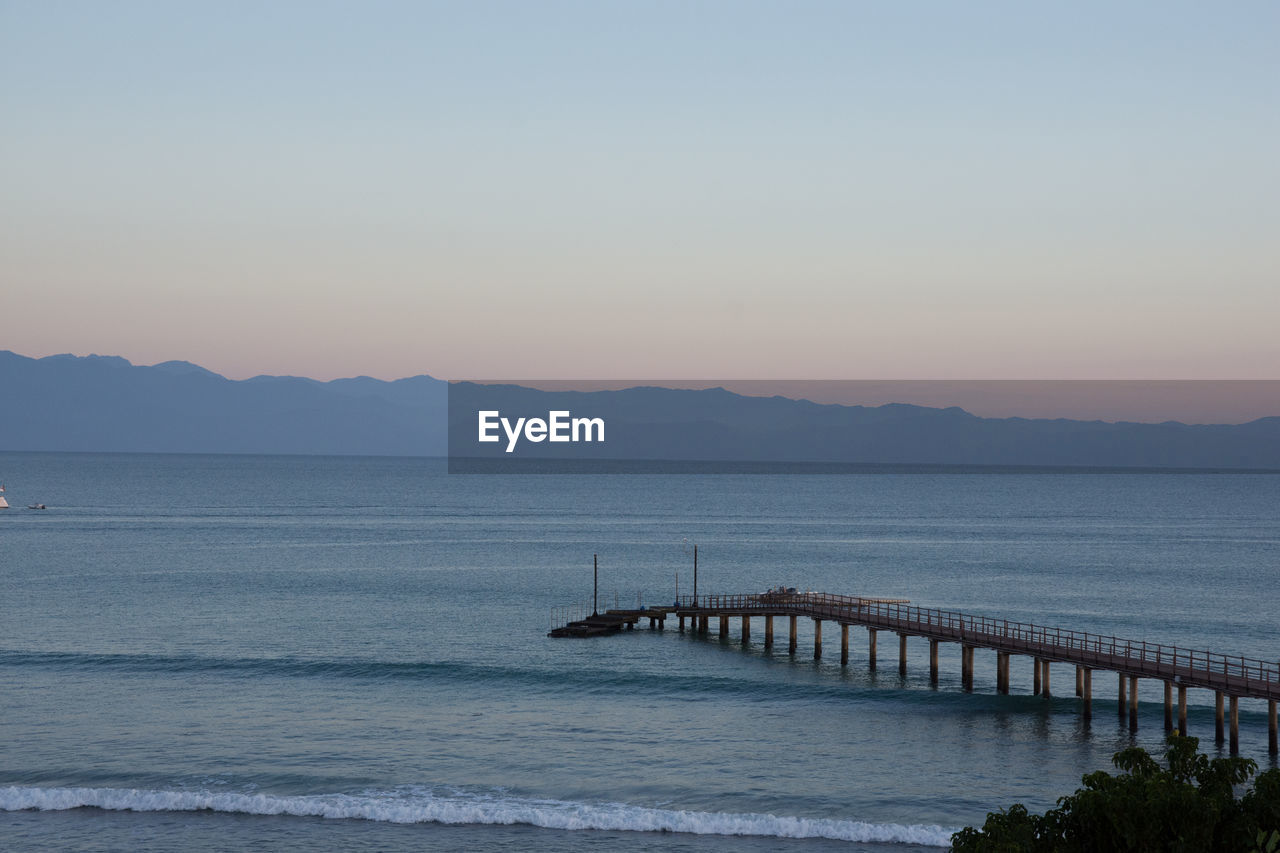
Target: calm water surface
(301, 653)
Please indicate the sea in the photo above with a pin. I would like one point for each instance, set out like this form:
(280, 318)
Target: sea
(298, 653)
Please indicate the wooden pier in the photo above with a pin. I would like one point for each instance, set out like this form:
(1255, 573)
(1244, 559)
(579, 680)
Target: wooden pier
(1231, 677)
(611, 622)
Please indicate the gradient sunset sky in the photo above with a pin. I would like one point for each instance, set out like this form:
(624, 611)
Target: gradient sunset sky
(811, 190)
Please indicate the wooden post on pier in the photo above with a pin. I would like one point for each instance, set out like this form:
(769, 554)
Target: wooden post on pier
(1133, 703)
(1168, 709)
(817, 639)
(1087, 694)
(933, 661)
(871, 647)
(724, 626)
(1035, 680)
(595, 584)
(1273, 742)
(1121, 702)
(966, 667)
(703, 619)
(902, 655)
(681, 624)
(746, 629)
(1218, 728)
(1182, 709)
(1002, 672)
(768, 631)
(792, 649)
(1079, 680)
(844, 644)
(1235, 725)
(1044, 680)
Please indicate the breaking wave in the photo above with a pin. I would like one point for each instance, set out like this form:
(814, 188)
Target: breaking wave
(424, 805)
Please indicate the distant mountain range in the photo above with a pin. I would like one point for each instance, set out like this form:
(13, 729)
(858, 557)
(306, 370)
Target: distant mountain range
(105, 404)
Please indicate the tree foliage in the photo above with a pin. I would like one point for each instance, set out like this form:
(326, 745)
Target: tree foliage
(1188, 804)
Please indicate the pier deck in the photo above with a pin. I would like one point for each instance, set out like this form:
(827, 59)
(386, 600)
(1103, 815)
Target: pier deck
(1230, 676)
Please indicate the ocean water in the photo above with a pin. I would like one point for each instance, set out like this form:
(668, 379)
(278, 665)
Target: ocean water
(308, 653)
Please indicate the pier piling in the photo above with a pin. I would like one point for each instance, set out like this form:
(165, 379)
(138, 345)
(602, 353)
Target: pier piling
(768, 631)
(1087, 710)
(1218, 727)
(817, 639)
(1235, 725)
(1182, 709)
(844, 644)
(933, 661)
(902, 655)
(791, 650)
(1273, 747)
(1133, 703)
(1035, 681)
(871, 647)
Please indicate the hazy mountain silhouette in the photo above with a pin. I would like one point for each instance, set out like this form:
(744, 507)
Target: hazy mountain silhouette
(104, 403)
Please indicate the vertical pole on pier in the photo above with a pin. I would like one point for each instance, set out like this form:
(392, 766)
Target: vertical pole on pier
(1088, 694)
(768, 631)
(871, 647)
(681, 624)
(1168, 709)
(817, 639)
(1218, 728)
(695, 575)
(724, 626)
(933, 661)
(902, 655)
(1235, 725)
(1002, 672)
(1044, 680)
(1079, 680)
(1133, 703)
(966, 667)
(791, 649)
(702, 623)
(1035, 679)
(595, 584)
(844, 644)
(1182, 709)
(1121, 692)
(1273, 746)
(746, 629)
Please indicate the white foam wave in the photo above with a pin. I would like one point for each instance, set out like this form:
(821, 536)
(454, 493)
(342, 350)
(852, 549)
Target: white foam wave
(421, 805)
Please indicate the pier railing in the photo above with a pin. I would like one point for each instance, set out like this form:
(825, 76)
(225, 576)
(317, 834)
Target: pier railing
(563, 614)
(1192, 667)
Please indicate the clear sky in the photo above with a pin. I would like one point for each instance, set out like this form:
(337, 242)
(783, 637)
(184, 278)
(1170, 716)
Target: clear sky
(812, 190)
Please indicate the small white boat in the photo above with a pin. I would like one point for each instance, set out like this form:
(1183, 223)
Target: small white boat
(4, 504)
